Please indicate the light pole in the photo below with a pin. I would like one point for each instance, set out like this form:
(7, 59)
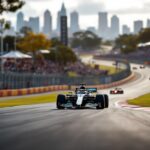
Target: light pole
(3, 26)
(1, 31)
(2, 68)
(15, 40)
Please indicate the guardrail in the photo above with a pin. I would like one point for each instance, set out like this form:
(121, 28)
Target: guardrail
(21, 92)
(17, 92)
(21, 81)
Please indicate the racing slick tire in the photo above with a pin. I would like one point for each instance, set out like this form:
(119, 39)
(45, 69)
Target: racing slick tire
(100, 102)
(106, 100)
(60, 100)
(122, 92)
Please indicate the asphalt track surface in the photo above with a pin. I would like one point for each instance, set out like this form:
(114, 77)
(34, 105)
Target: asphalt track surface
(43, 127)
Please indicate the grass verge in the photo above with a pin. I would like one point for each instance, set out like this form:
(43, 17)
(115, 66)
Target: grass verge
(143, 101)
(111, 70)
(48, 98)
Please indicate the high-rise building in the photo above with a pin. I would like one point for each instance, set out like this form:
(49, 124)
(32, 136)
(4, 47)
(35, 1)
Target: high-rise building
(58, 23)
(20, 21)
(103, 24)
(63, 26)
(74, 22)
(34, 24)
(115, 27)
(148, 23)
(138, 25)
(26, 23)
(125, 29)
(47, 28)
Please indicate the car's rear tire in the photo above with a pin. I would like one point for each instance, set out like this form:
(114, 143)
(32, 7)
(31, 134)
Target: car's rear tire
(60, 100)
(106, 100)
(100, 102)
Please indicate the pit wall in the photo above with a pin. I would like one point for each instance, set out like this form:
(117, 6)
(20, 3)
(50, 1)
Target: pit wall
(27, 91)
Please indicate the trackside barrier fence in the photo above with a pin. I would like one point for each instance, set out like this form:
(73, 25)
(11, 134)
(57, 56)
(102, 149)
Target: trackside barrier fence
(10, 80)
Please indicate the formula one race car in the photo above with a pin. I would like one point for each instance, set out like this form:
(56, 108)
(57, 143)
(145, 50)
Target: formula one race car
(142, 67)
(81, 98)
(116, 91)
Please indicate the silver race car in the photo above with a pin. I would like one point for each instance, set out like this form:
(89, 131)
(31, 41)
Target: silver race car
(81, 98)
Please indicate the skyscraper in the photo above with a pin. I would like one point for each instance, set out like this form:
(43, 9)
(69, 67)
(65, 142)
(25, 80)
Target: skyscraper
(115, 27)
(58, 23)
(34, 24)
(138, 25)
(26, 23)
(148, 23)
(47, 28)
(20, 21)
(63, 26)
(103, 24)
(74, 22)
(125, 29)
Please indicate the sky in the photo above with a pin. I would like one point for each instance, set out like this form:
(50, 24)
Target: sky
(126, 10)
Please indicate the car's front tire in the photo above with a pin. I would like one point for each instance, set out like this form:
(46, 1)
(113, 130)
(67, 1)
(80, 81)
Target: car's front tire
(60, 101)
(106, 100)
(100, 102)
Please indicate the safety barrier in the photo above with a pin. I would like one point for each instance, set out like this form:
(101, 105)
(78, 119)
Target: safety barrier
(110, 85)
(19, 92)
(13, 80)
(15, 84)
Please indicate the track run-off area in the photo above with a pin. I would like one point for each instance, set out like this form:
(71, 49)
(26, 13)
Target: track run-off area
(43, 127)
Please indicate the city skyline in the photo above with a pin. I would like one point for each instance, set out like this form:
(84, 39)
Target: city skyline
(103, 30)
(103, 21)
(88, 10)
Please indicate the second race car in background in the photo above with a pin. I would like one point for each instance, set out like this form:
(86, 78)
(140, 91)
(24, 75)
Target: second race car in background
(142, 67)
(117, 91)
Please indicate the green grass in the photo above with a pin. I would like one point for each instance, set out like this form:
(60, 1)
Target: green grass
(111, 70)
(48, 98)
(143, 101)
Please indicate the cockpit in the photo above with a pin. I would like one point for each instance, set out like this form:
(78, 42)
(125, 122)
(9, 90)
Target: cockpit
(81, 91)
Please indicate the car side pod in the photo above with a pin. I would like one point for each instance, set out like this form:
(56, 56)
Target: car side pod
(61, 100)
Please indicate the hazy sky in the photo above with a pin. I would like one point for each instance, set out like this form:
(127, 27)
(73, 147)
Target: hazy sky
(127, 10)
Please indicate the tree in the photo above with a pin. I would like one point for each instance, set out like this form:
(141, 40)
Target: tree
(33, 42)
(4, 25)
(25, 30)
(10, 5)
(55, 42)
(144, 35)
(86, 40)
(127, 43)
(62, 55)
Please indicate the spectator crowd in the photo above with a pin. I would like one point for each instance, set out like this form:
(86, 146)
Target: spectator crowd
(49, 67)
